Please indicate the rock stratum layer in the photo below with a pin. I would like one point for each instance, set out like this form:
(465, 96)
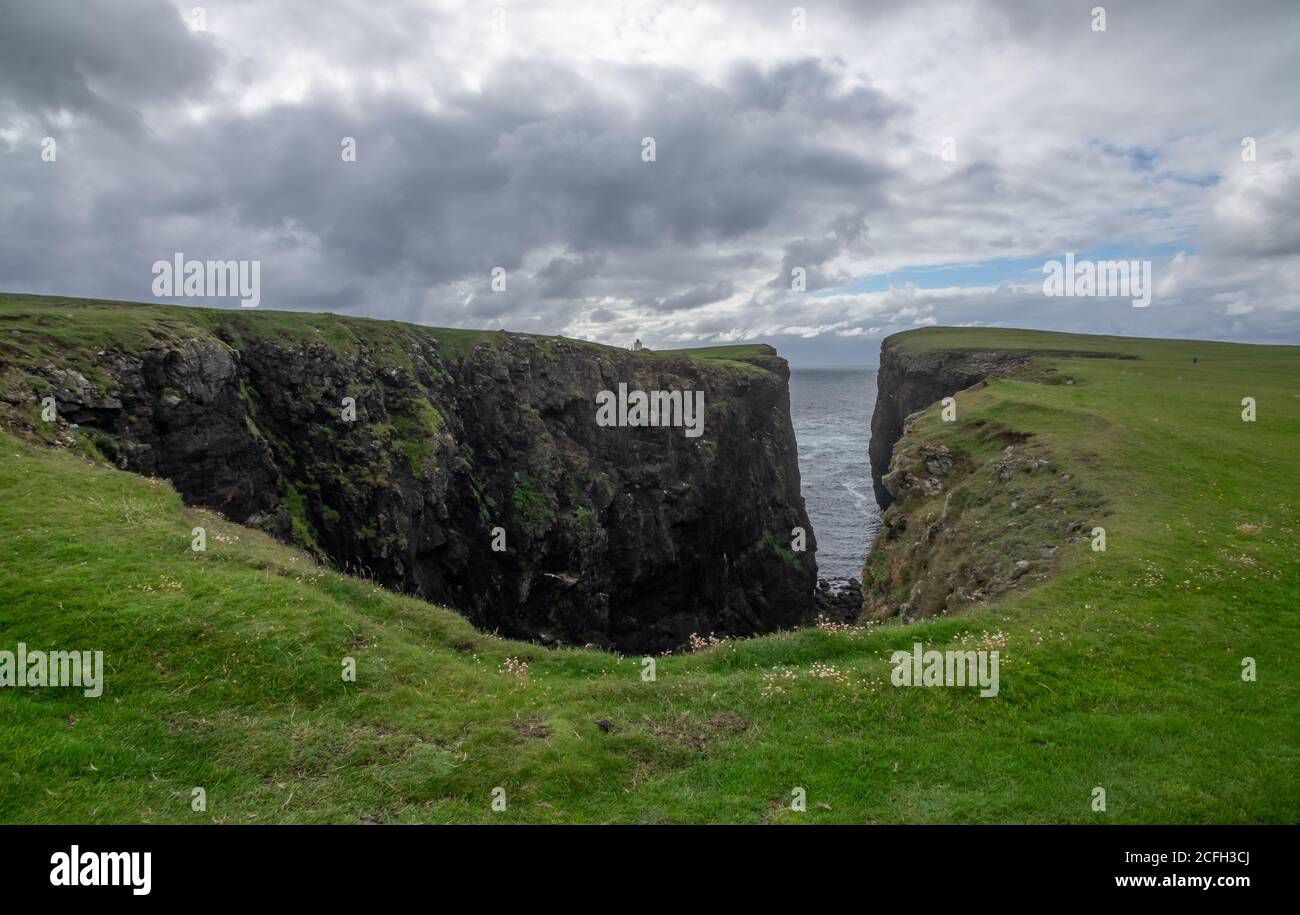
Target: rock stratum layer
(630, 538)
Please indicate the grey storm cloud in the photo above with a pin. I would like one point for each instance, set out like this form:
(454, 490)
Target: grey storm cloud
(774, 149)
(104, 61)
(694, 298)
(562, 276)
(811, 255)
(439, 198)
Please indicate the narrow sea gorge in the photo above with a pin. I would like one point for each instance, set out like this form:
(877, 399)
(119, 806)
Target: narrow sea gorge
(831, 412)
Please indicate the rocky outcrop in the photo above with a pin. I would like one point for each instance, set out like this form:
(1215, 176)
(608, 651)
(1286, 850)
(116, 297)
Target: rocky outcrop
(975, 507)
(838, 600)
(474, 473)
(910, 381)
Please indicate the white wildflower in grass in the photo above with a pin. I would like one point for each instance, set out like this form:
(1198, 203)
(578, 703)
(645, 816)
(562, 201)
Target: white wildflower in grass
(517, 668)
(164, 584)
(701, 643)
(827, 625)
(986, 641)
(776, 681)
(828, 672)
(821, 671)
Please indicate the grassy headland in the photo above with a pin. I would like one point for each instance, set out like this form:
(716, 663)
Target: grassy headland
(1121, 670)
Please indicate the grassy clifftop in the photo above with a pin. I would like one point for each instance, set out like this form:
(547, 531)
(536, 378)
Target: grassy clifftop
(1144, 438)
(1121, 670)
(31, 325)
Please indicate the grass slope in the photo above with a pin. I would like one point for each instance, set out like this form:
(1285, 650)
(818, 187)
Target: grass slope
(1123, 671)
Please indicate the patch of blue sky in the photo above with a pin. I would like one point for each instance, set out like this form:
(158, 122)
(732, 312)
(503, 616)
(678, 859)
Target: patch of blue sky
(1142, 159)
(998, 271)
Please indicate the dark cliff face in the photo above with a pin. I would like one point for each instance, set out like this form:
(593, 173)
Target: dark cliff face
(631, 538)
(908, 382)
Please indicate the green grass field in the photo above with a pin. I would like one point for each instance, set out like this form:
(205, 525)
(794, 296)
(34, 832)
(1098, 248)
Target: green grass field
(33, 325)
(1123, 671)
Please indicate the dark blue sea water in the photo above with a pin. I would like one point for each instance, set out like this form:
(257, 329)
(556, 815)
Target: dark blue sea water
(831, 409)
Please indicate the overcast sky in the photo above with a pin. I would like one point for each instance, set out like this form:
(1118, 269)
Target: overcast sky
(511, 135)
